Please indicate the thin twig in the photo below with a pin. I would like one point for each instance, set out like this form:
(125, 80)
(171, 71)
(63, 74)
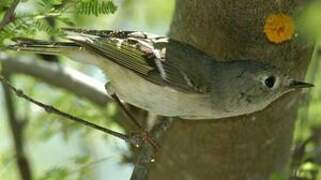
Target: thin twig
(51, 109)
(110, 91)
(129, 115)
(144, 134)
(9, 16)
(17, 130)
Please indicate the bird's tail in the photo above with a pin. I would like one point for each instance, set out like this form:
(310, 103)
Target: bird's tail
(43, 47)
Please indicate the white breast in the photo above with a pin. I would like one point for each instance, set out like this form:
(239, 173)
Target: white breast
(160, 100)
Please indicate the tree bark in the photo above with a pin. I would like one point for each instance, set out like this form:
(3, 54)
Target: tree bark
(250, 147)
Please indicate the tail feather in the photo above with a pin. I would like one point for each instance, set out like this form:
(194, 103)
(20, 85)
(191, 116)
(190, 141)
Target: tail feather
(42, 47)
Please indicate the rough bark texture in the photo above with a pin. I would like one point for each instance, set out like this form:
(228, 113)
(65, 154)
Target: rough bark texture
(248, 147)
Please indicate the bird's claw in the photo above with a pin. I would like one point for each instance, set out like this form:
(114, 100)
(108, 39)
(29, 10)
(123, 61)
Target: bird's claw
(139, 138)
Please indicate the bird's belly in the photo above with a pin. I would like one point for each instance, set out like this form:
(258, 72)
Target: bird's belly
(161, 100)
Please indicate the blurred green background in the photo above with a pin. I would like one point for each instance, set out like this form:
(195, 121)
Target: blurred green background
(59, 149)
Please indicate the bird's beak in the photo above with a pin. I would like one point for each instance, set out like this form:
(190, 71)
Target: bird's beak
(299, 84)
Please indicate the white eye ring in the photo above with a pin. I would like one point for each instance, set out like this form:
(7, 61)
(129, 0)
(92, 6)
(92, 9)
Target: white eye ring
(270, 82)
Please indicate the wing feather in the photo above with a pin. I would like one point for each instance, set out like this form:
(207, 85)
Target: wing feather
(144, 54)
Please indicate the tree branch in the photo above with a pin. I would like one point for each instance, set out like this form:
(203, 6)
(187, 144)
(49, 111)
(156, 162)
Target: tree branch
(17, 131)
(67, 78)
(51, 109)
(9, 15)
(136, 138)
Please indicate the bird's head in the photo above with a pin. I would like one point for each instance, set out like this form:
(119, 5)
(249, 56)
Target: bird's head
(256, 85)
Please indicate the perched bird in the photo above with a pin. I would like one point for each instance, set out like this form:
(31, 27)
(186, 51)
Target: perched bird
(171, 78)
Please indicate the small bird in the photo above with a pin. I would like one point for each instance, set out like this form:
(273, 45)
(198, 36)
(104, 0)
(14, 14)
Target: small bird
(171, 78)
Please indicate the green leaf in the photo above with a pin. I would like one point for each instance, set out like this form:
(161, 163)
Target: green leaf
(81, 159)
(276, 176)
(95, 7)
(55, 173)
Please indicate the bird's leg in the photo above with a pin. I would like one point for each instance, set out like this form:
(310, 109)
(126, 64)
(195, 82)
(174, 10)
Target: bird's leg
(143, 134)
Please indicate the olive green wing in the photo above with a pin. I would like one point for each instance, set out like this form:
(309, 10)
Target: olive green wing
(144, 54)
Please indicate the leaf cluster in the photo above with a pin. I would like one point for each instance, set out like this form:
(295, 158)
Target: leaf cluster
(47, 15)
(95, 7)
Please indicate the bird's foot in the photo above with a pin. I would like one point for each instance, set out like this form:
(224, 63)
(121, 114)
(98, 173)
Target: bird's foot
(139, 138)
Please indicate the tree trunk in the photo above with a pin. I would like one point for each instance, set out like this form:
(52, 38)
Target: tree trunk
(247, 147)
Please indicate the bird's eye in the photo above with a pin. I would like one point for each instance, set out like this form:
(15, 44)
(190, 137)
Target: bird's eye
(270, 81)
